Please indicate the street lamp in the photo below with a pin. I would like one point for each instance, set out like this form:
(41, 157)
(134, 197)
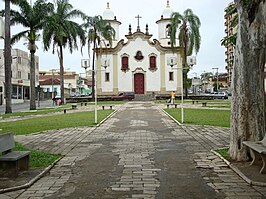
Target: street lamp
(104, 63)
(172, 62)
(53, 70)
(195, 82)
(217, 78)
(85, 63)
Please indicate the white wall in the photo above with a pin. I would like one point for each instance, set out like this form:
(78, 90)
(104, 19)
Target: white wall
(126, 79)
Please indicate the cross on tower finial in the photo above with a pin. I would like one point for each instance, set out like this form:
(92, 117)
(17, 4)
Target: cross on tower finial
(138, 28)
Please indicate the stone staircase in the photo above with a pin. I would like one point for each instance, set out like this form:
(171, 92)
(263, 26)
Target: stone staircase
(143, 97)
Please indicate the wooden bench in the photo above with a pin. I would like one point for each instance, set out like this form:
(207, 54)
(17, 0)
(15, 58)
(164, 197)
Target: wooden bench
(74, 106)
(168, 105)
(193, 101)
(204, 104)
(12, 161)
(111, 106)
(258, 151)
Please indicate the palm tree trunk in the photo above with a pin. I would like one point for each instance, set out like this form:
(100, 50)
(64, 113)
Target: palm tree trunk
(32, 80)
(7, 54)
(93, 70)
(61, 75)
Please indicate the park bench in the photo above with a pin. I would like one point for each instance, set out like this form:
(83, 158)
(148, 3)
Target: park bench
(85, 104)
(12, 161)
(168, 105)
(74, 106)
(204, 104)
(258, 151)
(193, 101)
(111, 106)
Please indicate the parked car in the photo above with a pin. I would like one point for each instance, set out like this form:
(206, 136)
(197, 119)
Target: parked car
(124, 96)
(220, 95)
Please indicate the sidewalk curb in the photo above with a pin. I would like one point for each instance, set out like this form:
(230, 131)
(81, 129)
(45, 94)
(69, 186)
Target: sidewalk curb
(170, 117)
(109, 116)
(238, 172)
(32, 181)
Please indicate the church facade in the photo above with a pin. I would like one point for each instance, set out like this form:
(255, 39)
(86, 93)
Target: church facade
(138, 63)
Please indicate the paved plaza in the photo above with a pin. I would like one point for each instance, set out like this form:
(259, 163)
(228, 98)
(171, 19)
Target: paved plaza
(139, 152)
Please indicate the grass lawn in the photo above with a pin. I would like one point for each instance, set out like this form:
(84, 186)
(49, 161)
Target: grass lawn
(202, 116)
(38, 158)
(33, 125)
(38, 111)
(224, 152)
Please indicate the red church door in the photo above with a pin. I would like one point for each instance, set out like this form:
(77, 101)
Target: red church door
(139, 83)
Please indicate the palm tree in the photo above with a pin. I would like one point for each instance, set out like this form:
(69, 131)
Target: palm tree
(98, 30)
(61, 31)
(188, 26)
(7, 55)
(30, 17)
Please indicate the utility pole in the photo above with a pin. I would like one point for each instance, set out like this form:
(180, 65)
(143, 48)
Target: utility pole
(217, 77)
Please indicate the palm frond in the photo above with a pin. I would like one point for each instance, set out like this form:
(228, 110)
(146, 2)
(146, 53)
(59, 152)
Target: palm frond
(17, 37)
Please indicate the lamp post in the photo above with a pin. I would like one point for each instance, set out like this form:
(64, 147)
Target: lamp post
(85, 63)
(217, 77)
(53, 70)
(195, 85)
(172, 62)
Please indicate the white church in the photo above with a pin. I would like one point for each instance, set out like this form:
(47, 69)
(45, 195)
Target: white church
(138, 63)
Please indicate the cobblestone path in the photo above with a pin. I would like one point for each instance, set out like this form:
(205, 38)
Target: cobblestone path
(137, 153)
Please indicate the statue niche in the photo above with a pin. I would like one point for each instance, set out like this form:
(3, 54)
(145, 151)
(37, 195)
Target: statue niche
(139, 56)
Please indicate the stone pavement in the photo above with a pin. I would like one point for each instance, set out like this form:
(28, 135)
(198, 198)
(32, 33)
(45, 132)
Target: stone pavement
(137, 153)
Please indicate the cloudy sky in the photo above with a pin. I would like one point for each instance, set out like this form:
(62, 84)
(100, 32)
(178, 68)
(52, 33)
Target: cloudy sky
(210, 12)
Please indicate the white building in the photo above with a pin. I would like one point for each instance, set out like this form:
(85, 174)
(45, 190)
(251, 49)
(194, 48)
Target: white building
(20, 75)
(50, 83)
(138, 63)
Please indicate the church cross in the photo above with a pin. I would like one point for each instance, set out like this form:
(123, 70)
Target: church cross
(138, 17)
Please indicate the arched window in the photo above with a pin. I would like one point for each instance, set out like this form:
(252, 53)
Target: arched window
(152, 62)
(168, 31)
(124, 63)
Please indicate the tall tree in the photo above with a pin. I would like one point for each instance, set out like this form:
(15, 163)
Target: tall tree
(189, 37)
(7, 54)
(60, 30)
(32, 18)
(248, 109)
(98, 31)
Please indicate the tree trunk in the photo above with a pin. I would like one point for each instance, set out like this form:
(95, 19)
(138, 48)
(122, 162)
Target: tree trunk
(32, 78)
(248, 108)
(7, 54)
(61, 75)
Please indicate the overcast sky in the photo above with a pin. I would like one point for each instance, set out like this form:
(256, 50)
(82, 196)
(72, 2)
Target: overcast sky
(210, 12)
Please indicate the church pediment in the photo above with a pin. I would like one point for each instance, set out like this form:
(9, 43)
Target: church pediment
(138, 34)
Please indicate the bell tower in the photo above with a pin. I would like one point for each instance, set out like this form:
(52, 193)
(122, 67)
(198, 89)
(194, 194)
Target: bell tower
(108, 15)
(164, 25)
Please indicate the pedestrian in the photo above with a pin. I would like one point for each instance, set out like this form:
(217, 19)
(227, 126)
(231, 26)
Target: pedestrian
(173, 97)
